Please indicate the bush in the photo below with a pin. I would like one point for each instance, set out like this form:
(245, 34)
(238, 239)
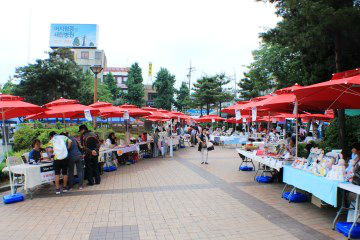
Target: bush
(23, 137)
(352, 134)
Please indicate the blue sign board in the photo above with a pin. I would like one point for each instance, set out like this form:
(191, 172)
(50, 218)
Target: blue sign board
(73, 35)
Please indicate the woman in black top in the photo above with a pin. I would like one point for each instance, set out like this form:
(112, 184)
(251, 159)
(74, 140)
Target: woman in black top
(203, 142)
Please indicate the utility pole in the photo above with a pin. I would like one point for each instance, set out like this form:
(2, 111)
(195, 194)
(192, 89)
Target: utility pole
(191, 69)
(235, 84)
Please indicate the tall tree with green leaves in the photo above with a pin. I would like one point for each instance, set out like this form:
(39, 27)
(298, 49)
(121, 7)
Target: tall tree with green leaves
(8, 87)
(224, 93)
(164, 85)
(87, 90)
(206, 92)
(326, 36)
(49, 79)
(135, 93)
(182, 97)
(111, 83)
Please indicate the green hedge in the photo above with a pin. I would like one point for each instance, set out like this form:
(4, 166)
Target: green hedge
(352, 134)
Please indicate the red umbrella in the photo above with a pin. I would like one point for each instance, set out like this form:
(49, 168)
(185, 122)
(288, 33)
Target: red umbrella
(158, 116)
(210, 118)
(150, 109)
(334, 94)
(231, 109)
(107, 109)
(13, 106)
(64, 108)
(289, 89)
(134, 111)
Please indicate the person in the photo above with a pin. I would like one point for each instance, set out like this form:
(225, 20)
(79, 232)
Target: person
(35, 153)
(355, 156)
(156, 143)
(291, 147)
(144, 137)
(60, 144)
(203, 142)
(75, 159)
(90, 145)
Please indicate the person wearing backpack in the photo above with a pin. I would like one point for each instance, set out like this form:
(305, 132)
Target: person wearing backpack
(91, 145)
(60, 145)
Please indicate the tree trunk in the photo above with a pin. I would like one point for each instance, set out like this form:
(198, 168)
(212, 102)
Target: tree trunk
(220, 109)
(341, 113)
(207, 109)
(201, 109)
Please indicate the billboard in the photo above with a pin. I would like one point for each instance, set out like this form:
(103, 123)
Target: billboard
(73, 35)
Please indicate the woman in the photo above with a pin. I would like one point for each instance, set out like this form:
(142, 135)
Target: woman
(111, 143)
(156, 143)
(203, 142)
(291, 148)
(35, 153)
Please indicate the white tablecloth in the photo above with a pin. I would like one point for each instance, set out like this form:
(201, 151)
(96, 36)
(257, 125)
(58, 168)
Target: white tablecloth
(35, 175)
(120, 149)
(268, 161)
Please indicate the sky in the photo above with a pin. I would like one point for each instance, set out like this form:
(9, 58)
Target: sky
(214, 36)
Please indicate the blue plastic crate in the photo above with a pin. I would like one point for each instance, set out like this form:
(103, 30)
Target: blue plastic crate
(344, 228)
(246, 168)
(182, 146)
(295, 197)
(263, 179)
(76, 180)
(110, 168)
(147, 156)
(13, 198)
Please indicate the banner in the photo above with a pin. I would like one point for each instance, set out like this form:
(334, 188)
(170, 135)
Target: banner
(274, 120)
(47, 174)
(212, 120)
(150, 69)
(126, 115)
(237, 114)
(253, 114)
(87, 115)
(295, 108)
(244, 120)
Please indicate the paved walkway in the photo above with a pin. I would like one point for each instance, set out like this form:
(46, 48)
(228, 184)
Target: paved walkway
(169, 199)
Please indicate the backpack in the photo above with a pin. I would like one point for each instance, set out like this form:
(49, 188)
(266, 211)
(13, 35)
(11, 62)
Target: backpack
(59, 146)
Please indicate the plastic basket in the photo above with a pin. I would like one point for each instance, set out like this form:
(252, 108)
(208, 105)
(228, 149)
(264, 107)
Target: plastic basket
(263, 179)
(110, 168)
(344, 228)
(246, 168)
(295, 197)
(13, 198)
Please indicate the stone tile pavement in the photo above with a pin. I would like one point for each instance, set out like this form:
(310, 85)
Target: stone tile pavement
(168, 198)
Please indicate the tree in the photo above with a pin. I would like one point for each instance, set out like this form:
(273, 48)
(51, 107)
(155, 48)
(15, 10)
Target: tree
(183, 97)
(49, 79)
(8, 87)
(164, 85)
(224, 94)
(206, 92)
(111, 83)
(325, 34)
(135, 93)
(87, 90)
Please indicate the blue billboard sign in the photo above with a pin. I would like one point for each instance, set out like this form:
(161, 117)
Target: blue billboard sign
(73, 35)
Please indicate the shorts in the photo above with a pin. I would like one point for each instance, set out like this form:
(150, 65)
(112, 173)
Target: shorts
(61, 165)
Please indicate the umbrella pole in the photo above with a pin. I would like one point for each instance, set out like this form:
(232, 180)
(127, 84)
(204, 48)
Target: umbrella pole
(7, 154)
(268, 122)
(171, 140)
(296, 129)
(103, 130)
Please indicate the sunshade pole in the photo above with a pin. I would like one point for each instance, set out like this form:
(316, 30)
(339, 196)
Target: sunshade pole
(296, 129)
(268, 122)
(171, 140)
(7, 152)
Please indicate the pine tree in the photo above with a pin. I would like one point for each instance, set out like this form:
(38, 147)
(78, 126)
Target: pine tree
(135, 93)
(164, 85)
(183, 97)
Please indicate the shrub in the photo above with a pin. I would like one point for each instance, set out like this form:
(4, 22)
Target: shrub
(23, 137)
(352, 134)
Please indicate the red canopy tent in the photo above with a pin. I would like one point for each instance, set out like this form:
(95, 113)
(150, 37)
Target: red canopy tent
(134, 111)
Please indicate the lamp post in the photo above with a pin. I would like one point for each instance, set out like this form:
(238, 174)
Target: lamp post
(96, 69)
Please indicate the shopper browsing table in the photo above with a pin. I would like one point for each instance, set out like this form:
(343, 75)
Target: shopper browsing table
(35, 153)
(91, 145)
(60, 145)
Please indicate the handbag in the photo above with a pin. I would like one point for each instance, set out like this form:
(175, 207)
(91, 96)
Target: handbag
(210, 146)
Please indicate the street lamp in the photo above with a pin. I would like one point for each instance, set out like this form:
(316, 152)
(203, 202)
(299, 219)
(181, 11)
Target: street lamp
(96, 69)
